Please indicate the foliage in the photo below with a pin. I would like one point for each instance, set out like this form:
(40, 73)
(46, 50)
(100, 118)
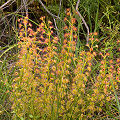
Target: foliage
(54, 74)
(57, 84)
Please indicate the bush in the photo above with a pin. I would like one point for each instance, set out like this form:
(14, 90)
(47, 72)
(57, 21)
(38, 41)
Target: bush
(52, 82)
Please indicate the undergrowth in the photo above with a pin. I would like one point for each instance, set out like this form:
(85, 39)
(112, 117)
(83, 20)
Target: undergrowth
(52, 82)
(54, 75)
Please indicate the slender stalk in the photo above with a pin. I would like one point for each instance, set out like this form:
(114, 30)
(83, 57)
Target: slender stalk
(83, 21)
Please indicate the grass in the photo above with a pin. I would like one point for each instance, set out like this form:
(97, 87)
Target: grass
(58, 76)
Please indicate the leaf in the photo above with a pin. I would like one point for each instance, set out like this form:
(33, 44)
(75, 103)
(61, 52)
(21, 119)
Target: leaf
(31, 116)
(37, 116)
(22, 118)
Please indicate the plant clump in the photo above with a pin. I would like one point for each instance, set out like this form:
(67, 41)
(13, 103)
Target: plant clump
(52, 82)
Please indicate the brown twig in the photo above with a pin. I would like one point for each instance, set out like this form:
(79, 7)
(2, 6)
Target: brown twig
(54, 16)
(1, 7)
(83, 20)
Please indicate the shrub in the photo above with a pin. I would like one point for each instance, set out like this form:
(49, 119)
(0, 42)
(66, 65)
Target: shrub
(52, 82)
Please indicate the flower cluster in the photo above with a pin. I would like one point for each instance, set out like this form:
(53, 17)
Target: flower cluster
(54, 83)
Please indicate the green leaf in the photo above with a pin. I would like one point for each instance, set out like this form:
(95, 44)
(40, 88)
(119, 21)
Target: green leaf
(37, 116)
(30, 116)
(22, 118)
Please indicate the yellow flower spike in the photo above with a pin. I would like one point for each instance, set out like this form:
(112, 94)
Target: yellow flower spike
(83, 85)
(80, 101)
(116, 87)
(89, 68)
(91, 108)
(110, 87)
(68, 13)
(62, 102)
(87, 45)
(49, 22)
(62, 107)
(101, 97)
(96, 91)
(83, 109)
(114, 83)
(87, 74)
(74, 91)
(101, 103)
(25, 22)
(91, 49)
(108, 98)
(89, 115)
(92, 99)
(100, 110)
(83, 90)
(72, 99)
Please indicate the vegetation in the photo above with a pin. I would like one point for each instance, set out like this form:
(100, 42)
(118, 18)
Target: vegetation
(65, 65)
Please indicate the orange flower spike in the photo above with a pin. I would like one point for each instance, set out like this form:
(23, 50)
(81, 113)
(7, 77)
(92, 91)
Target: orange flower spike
(91, 34)
(68, 13)
(87, 45)
(107, 54)
(89, 63)
(89, 68)
(118, 60)
(94, 53)
(65, 19)
(111, 61)
(66, 27)
(26, 16)
(54, 41)
(95, 33)
(21, 18)
(20, 25)
(118, 72)
(73, 20)
(43, 31)
(25, 22)
(91, 39)
(102, 62)
(42, 18)
(74, 28)
(56, 38)
(97, 39)
(51, 31)
(68, 9)
(66, 35)
(30, 24)
(50, 27)
(38, 29)
(100, 54)
(118, 41)
(96, 46)
(118, 69)
(49, 22)
(42, 24)
(75, 36)
(73, 42)
(18, 20)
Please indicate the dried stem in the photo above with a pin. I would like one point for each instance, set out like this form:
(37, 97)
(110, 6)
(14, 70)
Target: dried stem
(51, 15)
(83, 20)
(1, 7)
